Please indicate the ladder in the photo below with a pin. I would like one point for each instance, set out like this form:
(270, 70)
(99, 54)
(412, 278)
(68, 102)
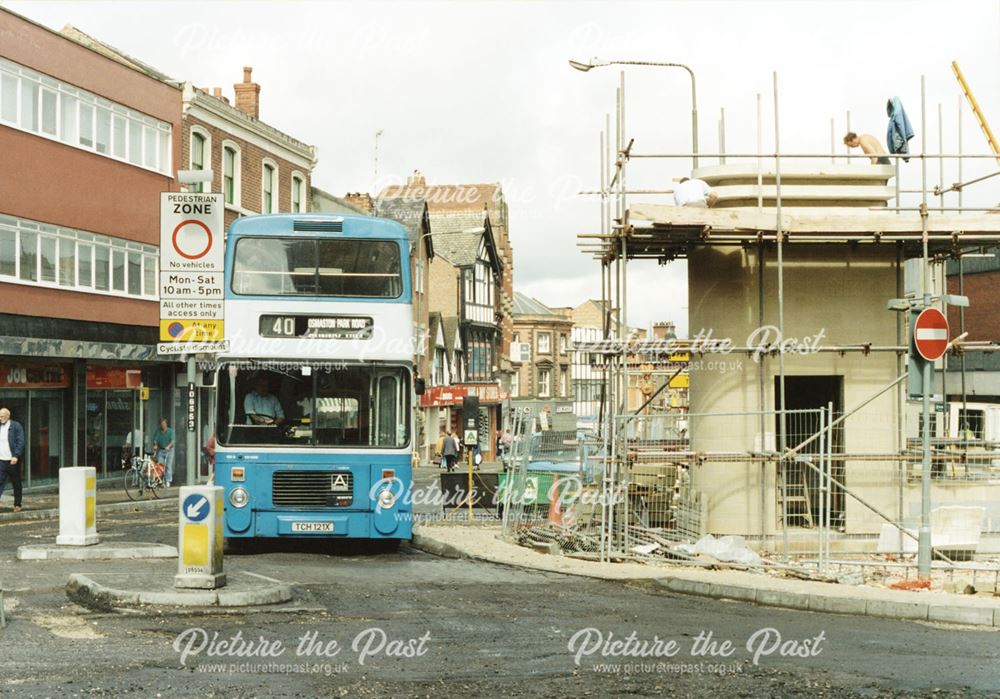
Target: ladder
(980, 117)
(794, 492)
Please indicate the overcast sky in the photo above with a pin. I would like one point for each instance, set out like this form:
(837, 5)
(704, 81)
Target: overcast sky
(472, 92)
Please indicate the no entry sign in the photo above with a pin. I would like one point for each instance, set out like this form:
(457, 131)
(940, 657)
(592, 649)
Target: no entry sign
(930, 334)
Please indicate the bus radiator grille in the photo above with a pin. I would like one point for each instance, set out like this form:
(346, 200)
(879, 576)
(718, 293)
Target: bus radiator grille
(312, 488)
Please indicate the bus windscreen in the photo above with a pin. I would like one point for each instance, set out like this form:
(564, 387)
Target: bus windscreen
(314, 405)
(317, 267)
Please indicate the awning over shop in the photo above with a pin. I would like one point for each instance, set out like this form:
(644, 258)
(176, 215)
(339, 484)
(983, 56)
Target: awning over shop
(444, 396)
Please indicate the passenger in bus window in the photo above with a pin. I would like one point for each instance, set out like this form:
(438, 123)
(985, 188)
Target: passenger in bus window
(261, 406)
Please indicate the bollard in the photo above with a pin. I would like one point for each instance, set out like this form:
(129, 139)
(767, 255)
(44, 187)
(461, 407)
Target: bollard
(199, 542)
(77, 506)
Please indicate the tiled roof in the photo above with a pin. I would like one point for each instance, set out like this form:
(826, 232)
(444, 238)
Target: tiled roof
(450, 329)
(525, 305)
(411, 213)
(457, 236)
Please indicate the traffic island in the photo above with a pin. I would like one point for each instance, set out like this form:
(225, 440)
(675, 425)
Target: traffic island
(97, 552)
(152, 590)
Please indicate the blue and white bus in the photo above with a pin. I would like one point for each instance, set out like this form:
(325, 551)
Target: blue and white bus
(314, 433)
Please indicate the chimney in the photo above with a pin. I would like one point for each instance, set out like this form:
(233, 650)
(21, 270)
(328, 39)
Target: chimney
(361, 200)
(248, 95)
(416, 180)
(664, 330)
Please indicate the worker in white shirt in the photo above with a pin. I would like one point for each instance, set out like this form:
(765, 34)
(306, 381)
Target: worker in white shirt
(694, 192)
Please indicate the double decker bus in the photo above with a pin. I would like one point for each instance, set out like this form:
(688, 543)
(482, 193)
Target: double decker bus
(314, 421)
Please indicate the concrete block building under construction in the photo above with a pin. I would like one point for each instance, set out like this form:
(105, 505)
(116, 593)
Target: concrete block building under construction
(803, 258)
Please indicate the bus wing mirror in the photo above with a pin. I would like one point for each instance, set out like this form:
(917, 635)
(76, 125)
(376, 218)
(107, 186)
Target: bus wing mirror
(419, 386)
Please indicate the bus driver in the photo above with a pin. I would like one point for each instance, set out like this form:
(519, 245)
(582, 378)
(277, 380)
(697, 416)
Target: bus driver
(261, 406)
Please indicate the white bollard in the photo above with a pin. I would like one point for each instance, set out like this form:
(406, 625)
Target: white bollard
(77, 506)
(200, 538)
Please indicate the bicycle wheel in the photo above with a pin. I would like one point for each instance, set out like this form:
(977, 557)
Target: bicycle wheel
(133, 484)
(154, 484)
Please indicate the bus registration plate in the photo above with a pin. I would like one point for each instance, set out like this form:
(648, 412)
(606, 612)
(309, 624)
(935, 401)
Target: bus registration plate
(312, 527)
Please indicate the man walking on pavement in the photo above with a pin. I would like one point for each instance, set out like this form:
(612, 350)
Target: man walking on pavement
(11, 452)
(449, 451)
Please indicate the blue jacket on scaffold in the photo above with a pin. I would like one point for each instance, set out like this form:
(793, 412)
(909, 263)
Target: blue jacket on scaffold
(899, 132)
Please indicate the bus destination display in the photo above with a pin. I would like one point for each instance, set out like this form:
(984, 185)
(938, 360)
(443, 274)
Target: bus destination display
(322, 327)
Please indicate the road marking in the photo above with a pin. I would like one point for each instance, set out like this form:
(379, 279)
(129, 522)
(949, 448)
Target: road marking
(264, 577)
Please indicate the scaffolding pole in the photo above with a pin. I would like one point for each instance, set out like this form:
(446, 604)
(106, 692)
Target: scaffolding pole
(781, 321)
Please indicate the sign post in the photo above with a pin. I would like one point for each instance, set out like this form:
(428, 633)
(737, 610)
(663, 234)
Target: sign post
(192, 268)
(930, 340)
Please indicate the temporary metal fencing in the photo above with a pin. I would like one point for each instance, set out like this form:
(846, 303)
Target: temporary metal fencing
(813, 485)
(551, 482)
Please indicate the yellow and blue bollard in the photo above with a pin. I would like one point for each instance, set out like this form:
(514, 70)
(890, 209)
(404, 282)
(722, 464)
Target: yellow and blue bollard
(200, 538)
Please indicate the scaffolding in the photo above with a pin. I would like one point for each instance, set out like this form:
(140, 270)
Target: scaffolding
(664, 234)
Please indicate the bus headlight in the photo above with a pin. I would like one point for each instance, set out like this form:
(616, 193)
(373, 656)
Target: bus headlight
(239, 497)
(386, 499)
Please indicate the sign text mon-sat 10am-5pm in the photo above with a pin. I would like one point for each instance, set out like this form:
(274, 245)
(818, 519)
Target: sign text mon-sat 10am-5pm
(192, 258)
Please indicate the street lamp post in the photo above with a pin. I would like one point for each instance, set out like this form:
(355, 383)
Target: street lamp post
(594, 63)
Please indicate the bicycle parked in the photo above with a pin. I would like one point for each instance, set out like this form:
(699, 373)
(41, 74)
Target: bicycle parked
(142, 475)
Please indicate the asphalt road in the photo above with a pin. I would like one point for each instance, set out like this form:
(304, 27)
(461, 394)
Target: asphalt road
(425, 626)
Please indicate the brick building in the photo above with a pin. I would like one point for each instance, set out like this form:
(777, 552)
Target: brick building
(259, 169)
(979, 279)
(464, 289)
(454, 201)
(542, 359)
(587, 374)
(92, 141)
(95, 136)
(413, 216)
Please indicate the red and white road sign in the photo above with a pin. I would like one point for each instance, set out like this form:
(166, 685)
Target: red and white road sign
(930, 334)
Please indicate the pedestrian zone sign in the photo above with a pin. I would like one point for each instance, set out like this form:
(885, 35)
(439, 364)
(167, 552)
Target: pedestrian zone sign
(191, 286)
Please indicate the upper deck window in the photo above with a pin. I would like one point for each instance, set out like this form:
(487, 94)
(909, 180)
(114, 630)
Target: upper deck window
(317, 267)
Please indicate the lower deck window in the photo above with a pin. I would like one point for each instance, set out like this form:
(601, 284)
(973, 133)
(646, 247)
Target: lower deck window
(314, 405)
